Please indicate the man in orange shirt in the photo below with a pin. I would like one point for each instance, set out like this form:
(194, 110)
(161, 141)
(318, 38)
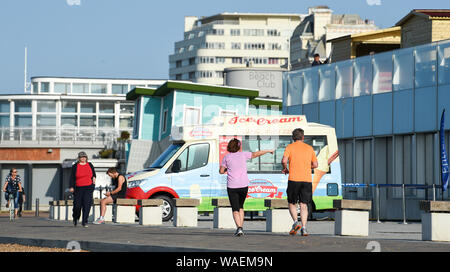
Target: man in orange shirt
(302, 159)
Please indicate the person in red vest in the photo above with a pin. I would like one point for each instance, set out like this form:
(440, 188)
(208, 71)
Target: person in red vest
(82, 184)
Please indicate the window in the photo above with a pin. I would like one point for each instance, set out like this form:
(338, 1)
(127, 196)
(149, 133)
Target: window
(273, 32)
(235, 32)
(236, 60)
(126, 108)
(119, 88)
(80, 88)
(253, 32)
(87, 121)
(106, 121)
(235, 45)
(220, 59)
(4, 121)
(35, 87)
(193, 157)
(272, 162)
(61, 88)
(22, 106)
(106, 107)
(192, 116)
(88, 107)
(274, 46)
(126, 122)
(45, 87)
(46, 106)
(228, 113)
(98, 88)
(69, 106)
(178, 63)
(46, 120)
(22, 121)
(69, 120)
(191, 61)
(164, 124)
(4, 107)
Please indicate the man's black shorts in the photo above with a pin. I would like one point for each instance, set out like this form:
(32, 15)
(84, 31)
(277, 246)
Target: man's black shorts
(299, 191)
(237, 197)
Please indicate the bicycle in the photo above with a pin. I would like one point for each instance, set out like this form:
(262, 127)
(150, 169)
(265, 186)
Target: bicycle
(11, 206)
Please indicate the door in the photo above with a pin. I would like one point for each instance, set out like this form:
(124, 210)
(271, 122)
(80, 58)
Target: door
(192, 174)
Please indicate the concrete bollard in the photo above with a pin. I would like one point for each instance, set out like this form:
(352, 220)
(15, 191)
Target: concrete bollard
(435, 220)
(150, 212)
(61, 210)
(125, 211)
(278, 218)
(186, 212)
(69, 210)
(223, 215)
(351, 217)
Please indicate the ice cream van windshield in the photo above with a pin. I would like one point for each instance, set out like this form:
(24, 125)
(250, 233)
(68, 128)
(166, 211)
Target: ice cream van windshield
(166, 155)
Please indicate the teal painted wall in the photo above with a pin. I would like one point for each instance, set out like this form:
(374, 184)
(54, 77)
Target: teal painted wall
(210, 104)
(150, 118)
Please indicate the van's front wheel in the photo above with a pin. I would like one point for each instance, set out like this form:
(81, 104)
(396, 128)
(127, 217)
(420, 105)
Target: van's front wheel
(167, 207)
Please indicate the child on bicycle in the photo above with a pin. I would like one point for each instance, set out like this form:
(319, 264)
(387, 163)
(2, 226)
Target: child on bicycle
(13, 186)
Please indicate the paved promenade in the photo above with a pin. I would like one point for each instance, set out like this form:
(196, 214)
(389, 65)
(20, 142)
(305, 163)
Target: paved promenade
(385, 237)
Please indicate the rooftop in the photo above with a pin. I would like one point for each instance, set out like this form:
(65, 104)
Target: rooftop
(431, 14)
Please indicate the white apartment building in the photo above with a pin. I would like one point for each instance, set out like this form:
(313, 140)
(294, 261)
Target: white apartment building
(230, 40)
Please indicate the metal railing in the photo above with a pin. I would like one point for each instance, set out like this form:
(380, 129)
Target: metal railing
(60, 135)
(377, 187)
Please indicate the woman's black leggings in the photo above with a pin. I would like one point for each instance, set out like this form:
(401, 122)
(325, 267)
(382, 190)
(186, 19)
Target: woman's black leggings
(82, 200)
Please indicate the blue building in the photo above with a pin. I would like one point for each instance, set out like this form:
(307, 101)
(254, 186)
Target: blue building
(185, 103)
(386, 109)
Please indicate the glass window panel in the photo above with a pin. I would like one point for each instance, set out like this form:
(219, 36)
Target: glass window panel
(4, 120)
(87, 121)
(5, 106)
(80, 88)
(382, 69)
(425, 66)
(69, 106)
(362, 69)
(403, 69)
(22, 121)
(98, 88)
(126, 108)
(126, 122)
(22, 106)
(61, 87)
(106, 121)
(106, 107)
(183, 159)
(251, 144)
(192, 116)
(444, 62)
(294, 89)
(119, 88)
(46, 120)
(35, 87)
(45, 87)
(88, 107)
(46, 106)
(327, 81)
(311, 87)
(344, 79)
(198, 156)
(69, 120)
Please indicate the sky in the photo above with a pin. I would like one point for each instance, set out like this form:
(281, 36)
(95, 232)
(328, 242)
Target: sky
(134, 38)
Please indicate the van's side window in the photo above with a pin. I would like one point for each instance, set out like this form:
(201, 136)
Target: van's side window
(193, 157)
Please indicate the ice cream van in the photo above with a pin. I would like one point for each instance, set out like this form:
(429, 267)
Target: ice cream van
(189, 167)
